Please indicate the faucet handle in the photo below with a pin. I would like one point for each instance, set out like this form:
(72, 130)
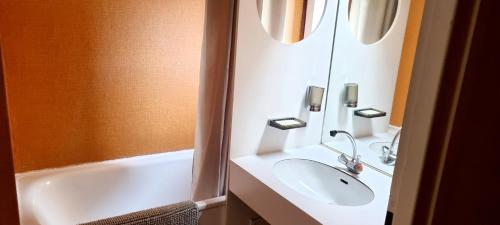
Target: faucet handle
(343, 159)
(352, 165)
(358, 167)
(387, 155)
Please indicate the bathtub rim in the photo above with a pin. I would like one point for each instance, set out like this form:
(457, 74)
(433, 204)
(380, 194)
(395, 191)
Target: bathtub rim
(133, 160)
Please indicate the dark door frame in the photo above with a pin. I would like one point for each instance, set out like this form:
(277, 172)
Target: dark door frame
(442, 178)
(9, 214)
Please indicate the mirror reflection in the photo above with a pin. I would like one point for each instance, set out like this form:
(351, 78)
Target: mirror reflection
(290, 21)
(370, 20)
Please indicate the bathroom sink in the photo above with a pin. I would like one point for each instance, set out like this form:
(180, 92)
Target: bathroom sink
(322, 182)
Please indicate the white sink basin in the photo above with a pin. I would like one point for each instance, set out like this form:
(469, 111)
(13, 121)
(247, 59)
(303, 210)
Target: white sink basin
(322, 182)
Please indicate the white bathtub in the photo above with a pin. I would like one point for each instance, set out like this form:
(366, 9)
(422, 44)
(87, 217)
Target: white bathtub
(88, 192)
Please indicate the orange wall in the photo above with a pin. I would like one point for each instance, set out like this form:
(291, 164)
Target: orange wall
(406, 64)
(91, 80)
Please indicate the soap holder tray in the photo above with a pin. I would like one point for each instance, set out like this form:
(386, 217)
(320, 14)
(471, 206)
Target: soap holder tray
(369, 113)
(287, 123)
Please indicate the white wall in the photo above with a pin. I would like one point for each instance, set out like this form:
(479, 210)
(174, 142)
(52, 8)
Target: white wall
(271, 82)
(374, 67)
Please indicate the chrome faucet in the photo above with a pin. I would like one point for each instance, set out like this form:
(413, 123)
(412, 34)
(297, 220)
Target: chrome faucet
(389, 156)
(352, 165)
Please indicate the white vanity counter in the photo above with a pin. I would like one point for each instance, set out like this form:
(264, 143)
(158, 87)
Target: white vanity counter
(253, 181)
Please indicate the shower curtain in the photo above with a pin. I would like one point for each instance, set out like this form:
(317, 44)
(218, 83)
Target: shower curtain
(215, 101)
(371, 19)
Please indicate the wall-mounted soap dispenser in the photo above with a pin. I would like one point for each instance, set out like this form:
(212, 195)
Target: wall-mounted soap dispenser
(351, 95)
(314, 98)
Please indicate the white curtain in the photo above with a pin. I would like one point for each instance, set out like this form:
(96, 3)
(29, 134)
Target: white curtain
(215, 101)
(272, 16)
(314, 13)
(371, 19)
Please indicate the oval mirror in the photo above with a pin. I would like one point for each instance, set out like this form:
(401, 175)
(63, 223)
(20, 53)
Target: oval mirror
(290, 21)
(371, 19)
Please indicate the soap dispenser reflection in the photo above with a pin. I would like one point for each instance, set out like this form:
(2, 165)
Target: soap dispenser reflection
(314, 98)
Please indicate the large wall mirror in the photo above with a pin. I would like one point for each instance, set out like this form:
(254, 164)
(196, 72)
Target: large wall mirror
(290, 21)
(368, 46)
(370, 20)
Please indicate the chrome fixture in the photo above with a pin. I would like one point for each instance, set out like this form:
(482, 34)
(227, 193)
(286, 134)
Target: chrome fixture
(352, 165)
(351, 95)
(388, 152)
(314, 98)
